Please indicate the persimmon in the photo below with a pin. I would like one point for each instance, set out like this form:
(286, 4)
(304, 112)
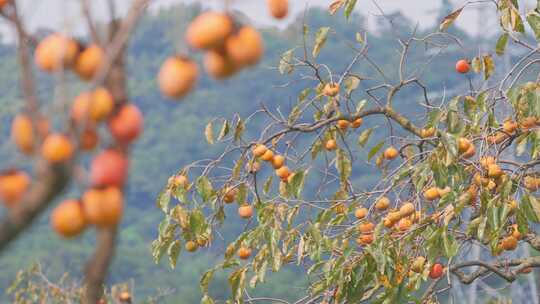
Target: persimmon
(125, 296)
(360, 213)
(103, 207)
(355, 124)
(191, 246)
(109, 168)
(462, 66)
(127, 124)
(278, 161)
(394, 216)
(268, 155)
(418, 264)
(180, 181)
(219, 65)
(3, 3)
(509, 243)
(343, 124)
(404, 224)
(510, 126)
(89, 61)
(177, 76)
(245, 47)
(528, 123)
(388, 223)
(13, 185)
(494, 171)
(25, 134)
(365, 239)
(245, 211)
(498, 138)
(283, 172)
(470, 152)
(531, 183)
(432, 194)
(57, 148)
(436, 271)
(67, 219)
(92, 106)
(229, 195)
(515, 232)
(382, 203)
(429, 132)
(406, 209)
(366, 227)
(209, 30)
(56, 51)
(278, 8)
(485, 161)
(330, 145)
(259, 150)
(390, 153)
(244, 253)
(89, 139)
(463, 144)
(331, 89)
(339, 208)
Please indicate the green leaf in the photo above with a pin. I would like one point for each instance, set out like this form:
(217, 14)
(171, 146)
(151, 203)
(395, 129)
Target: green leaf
(237, 280)
(209, 133)
(349, 7)
(204, 188)
(239, 129)
(489, 66)
(164, 199)
(448, 20)
(294, 115)
(224, 130)
(320, 40)
(501, 44)
(375, 149)
(267, 184)
(364, 137)
(205, 280)
(206, 299)
(285, 66)
(296, 185)
(360, 106)
(197, 222)
(343, 165)
(173, 251)
(351, 83)
(533, 18)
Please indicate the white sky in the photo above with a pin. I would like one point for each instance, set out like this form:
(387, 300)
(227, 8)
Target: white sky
(66, 14)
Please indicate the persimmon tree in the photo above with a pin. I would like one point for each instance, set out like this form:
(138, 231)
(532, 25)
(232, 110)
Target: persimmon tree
(463, 175)
(102, 121)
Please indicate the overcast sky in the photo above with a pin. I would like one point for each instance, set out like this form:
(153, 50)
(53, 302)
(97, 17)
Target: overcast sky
(65, 14)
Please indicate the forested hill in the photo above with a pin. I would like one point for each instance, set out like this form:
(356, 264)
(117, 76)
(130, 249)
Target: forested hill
(174, 136)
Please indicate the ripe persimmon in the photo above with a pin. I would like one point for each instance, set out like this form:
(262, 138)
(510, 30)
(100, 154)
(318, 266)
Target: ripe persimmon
(382, 203)
(67, 219)
(244, 253)
(531, 183)
(494, 171)
(89, 62)
(3, 3)
(55, 52)
(394, 216)
(365, 239)
(92, 106)
(89, 139)
(180, 181)
(406, 209)
(245, 211)
(177, 76)
(360, 213)
(485, 161)
(125, 296)
(343, 124)
(463, 144)
(268, 155)
(219, 65)
(462, 66)
(278, 161)
(404, 224)
(103, 207)
(13, 185)
(259, 150)
(432, 194)
(283, 173)
(510, 126)
(330, 145)
(528, 123)
(390, 153)
(191, 246)
(109, 168)
(209, 30)
(126, 125)
(245, 47)
(366, 227)
(278, 8)
(331, 89)
(428, 132)
(355, 124)
(509, 243)
(470, 152)
(436, 271)
(57, 148)
(23, 133)
(229, 195)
